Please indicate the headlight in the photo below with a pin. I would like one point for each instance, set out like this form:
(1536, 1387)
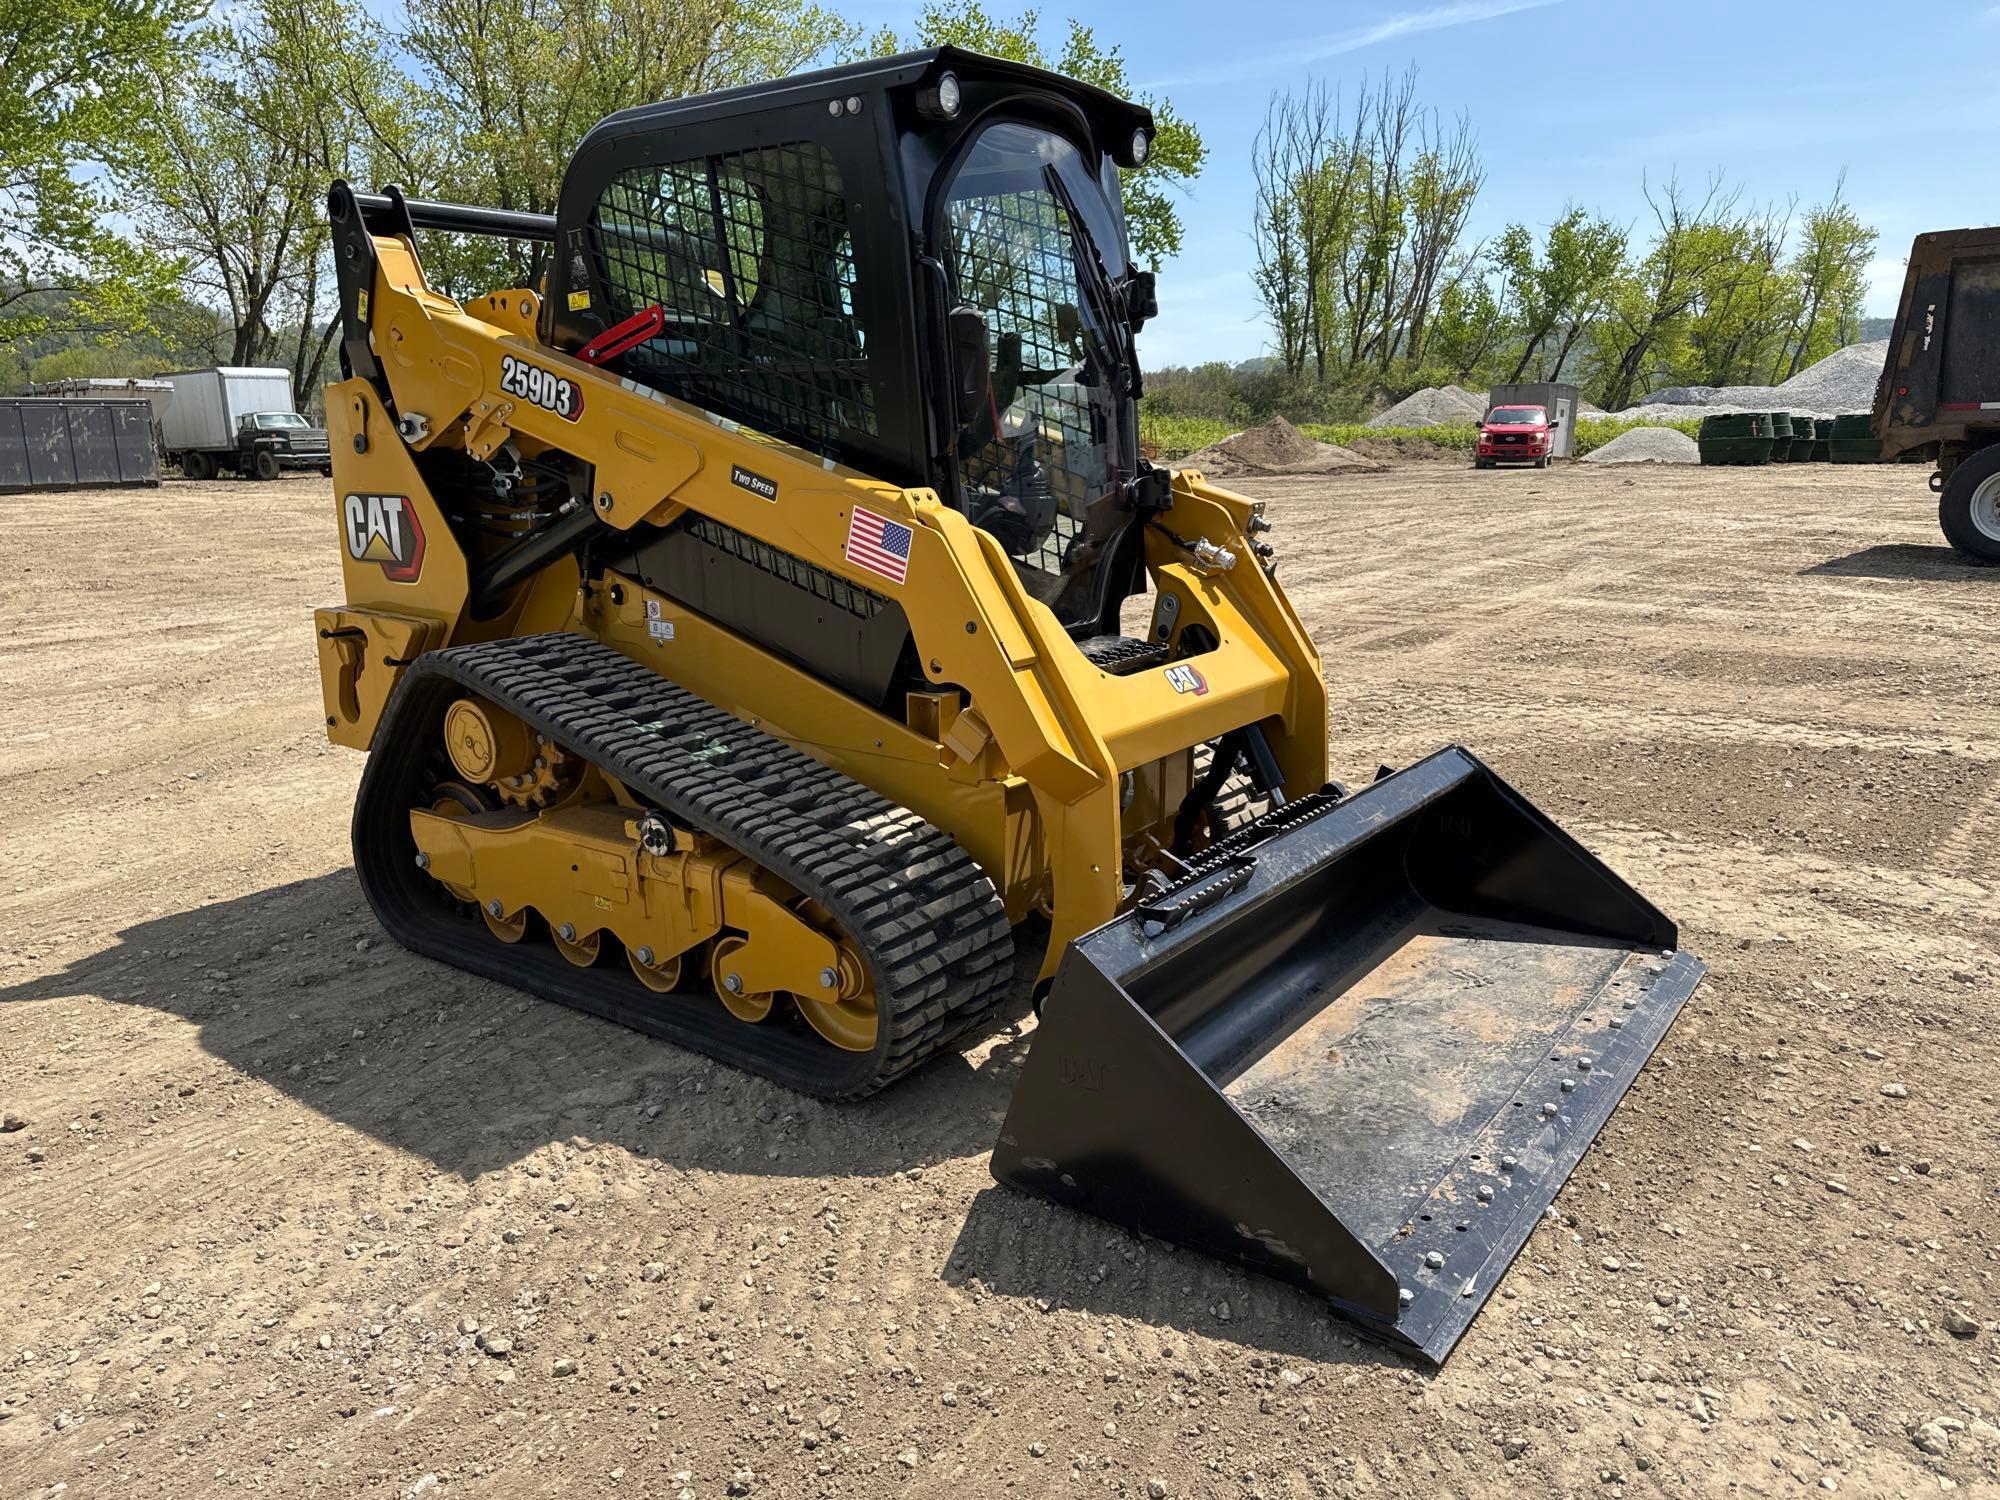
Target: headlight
(941, 100)
(1142, 146)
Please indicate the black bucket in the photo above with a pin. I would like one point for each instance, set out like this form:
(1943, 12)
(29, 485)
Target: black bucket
(1359, 1050)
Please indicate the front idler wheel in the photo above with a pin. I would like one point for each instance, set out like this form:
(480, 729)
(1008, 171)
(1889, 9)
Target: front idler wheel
(843, 1011)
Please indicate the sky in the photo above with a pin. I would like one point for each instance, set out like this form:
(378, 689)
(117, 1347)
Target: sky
(1573, 101)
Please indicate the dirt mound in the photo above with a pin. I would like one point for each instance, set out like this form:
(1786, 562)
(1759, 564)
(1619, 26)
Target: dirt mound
(1434, 406)
(1277, 447)
(1647, 445)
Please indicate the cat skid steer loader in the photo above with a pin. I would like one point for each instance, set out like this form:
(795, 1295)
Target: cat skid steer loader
(766, 622)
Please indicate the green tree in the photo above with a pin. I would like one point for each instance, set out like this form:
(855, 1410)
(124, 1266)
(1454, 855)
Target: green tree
(75, 104)
(250, 140)
(1151, 217)
(500, 92)
(1747, 300)
(1467, 326)
(1647, 331)
(1357, 225)
(1831, 272)
(1558, 292)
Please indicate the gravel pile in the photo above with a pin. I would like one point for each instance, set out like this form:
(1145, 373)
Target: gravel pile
(1434, 406)
(1277, 447)
(1652, 411)
(1842, 382)
(1647, 445)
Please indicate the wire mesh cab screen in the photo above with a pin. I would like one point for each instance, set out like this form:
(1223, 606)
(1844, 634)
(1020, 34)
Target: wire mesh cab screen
(749, 257)
(1032, 465)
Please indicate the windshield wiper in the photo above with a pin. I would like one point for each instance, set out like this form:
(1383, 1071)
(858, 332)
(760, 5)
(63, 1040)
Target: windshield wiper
(1119, 358)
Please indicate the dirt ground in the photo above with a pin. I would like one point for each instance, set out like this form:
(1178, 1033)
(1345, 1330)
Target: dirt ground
(298, 1213)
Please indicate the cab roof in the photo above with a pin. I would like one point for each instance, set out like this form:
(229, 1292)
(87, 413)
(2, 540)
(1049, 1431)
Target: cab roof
(1112, 117)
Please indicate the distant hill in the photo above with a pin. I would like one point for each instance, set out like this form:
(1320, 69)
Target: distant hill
(1876, 328)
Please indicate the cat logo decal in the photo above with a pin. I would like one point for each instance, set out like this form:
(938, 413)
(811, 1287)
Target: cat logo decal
(384, 529)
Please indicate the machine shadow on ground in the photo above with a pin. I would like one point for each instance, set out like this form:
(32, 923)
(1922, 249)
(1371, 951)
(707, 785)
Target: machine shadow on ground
(1023, 1248)
(472, 1076)
(1904, 560)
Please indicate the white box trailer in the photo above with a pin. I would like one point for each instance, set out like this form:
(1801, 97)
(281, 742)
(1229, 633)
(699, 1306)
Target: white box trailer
(209, 405)
(203, 430)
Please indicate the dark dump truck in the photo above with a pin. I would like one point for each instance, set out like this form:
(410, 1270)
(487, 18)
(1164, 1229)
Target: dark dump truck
(1940, 391)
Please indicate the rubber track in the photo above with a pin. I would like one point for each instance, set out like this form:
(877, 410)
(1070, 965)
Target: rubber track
(1238, 804)
(928, 922)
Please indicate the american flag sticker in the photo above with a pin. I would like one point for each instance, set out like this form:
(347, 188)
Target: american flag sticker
(878, 544)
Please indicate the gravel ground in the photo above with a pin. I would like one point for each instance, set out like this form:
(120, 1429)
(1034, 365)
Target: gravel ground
(1647, 445)
(285, 1209)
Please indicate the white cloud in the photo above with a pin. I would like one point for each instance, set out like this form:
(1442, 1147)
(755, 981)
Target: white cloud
(1308, 50)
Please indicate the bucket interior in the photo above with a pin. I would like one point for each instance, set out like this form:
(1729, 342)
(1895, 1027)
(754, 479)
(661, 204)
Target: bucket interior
(1370, 1034)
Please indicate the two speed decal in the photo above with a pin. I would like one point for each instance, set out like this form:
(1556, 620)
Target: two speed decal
(543, 388)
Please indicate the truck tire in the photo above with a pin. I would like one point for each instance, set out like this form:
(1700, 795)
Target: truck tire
(197, 466)
(1969, 508)
(266, 464)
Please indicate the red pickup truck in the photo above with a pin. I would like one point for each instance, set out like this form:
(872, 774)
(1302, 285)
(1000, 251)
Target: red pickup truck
(1514, 435)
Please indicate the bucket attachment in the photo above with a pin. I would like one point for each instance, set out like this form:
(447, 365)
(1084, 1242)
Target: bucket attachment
(1359, 1048)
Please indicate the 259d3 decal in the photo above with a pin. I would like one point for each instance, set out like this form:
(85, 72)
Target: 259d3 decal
(543, 388)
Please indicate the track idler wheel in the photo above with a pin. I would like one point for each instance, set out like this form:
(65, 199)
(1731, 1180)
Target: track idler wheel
(844, 1012)
(740, 1003)
(507, 929)
(581, 949)
(660, 975)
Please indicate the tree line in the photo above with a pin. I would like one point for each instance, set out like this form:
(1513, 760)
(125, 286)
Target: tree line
(1368, 280)
(164, 167)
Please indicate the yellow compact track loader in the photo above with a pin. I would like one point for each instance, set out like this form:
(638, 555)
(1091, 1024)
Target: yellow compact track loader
(766, 623)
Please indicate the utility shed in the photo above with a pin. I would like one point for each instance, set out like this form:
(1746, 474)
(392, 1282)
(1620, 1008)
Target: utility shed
(1559, 401)
(59, 443)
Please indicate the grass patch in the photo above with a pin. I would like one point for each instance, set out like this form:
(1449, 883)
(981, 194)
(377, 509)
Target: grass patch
(1175, 437)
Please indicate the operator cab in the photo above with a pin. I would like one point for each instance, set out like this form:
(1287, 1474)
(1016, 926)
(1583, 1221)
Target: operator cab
(916, 267)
